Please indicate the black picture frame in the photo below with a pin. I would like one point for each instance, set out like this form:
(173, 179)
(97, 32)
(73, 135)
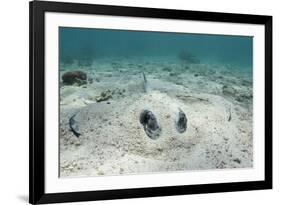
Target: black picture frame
(37, 11)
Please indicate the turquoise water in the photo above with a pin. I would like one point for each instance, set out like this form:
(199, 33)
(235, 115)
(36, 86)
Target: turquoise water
(86, 45)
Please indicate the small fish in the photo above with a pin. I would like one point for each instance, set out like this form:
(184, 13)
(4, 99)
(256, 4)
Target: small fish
(74, 126)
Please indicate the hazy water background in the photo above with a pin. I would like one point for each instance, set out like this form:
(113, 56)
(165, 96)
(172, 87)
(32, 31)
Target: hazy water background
(90, 44)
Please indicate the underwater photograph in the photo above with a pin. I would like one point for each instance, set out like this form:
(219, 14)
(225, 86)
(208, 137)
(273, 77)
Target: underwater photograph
(143, 102)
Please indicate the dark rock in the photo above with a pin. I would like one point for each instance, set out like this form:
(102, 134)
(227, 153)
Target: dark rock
(72, 77)
(188, 57)
(173, 74)
(167, 69)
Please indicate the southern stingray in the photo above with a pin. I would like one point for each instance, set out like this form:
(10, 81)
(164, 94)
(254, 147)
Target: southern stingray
(153, 131)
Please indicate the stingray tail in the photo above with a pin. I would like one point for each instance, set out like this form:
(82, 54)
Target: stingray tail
(145, 84)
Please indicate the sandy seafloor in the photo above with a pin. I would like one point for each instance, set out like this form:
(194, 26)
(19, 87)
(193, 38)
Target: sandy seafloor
(216, 98)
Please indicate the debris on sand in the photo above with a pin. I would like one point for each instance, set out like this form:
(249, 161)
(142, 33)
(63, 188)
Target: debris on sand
(105, 95)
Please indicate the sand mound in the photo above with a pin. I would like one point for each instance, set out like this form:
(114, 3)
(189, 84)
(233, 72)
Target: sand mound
(114, 142)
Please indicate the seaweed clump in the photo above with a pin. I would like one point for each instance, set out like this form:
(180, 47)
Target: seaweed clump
(188, 57)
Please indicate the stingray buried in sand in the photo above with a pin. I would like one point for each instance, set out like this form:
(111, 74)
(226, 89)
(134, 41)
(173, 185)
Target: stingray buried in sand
(153, 102)
(115, 141)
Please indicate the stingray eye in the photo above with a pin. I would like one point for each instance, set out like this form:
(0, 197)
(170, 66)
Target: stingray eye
(150, 124)
(181, 122)
(144, 117)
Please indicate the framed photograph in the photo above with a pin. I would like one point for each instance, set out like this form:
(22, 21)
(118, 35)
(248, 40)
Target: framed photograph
(140, 102)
